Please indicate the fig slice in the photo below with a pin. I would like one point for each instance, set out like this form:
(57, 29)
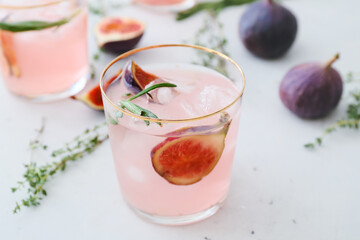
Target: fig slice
(93, 98)
(135, 78)
(187, 159)
(7, 46)
(118, 34)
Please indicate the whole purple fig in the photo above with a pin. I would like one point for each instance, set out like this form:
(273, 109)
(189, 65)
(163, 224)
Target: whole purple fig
(268, 29)
(312, 90)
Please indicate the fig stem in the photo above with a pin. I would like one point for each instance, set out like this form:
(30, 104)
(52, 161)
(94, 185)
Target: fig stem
(332, 60)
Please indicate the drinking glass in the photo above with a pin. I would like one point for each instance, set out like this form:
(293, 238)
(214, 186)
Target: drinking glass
(175, 169)
(49, 62)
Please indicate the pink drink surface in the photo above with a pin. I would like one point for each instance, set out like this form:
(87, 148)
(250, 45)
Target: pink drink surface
(49, 61)
(202, 91)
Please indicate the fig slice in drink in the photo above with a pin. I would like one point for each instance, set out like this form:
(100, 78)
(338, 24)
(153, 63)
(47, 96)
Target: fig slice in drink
(7, 45)
(135, 78)
(186, 159)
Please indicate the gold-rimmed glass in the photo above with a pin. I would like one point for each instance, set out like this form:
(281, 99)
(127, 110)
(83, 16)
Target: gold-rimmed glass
(45, 64)
(133, 141)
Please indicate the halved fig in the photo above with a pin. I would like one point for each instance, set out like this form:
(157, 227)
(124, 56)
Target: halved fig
(93, 97)
(7, 47)
(135, 78)
(118, 34)
(187, 159)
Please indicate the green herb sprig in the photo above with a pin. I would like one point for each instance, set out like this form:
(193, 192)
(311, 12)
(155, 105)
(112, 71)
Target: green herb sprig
(35, 177)
(136, 109)
(213, 6)
(351, 121)
(211, 35)
(25, 26)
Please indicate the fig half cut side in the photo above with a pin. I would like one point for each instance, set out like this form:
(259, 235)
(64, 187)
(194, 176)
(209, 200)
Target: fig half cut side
(185, 160)
(118, 34)
(93, 98)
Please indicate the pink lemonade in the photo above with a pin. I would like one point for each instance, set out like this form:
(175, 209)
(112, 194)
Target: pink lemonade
(46, 62)
(200, 91)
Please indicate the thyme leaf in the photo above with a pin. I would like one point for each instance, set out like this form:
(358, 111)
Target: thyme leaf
(211, 35)
(24, 26)
(216, 6)
(36, 176)
(351, 121)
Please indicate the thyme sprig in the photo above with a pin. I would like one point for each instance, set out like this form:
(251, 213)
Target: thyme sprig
(136, 109)
(24, 26)
(101, 8)
(216, 6)
(36, 176)
(211, 35)
(351, 121)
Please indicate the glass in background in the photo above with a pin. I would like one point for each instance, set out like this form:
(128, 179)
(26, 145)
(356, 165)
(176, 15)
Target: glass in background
(49, 63)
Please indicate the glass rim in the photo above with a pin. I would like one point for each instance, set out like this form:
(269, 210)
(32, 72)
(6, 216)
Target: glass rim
(159, 120)
(40, 5)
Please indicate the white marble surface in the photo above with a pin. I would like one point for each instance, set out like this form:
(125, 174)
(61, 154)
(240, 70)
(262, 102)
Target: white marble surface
(279, 190)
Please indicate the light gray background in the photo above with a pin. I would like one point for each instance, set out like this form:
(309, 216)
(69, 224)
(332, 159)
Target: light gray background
(279, 189)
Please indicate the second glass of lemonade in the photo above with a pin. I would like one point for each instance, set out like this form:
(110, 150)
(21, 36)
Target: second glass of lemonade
(46, 63)
(173, 147)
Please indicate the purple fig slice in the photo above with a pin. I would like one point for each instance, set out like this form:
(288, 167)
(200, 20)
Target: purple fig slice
(118, 34)
(186, 159)
(135, 78)
(93, 98)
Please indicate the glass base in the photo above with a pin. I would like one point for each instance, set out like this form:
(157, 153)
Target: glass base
(74, 89)
(178, 220)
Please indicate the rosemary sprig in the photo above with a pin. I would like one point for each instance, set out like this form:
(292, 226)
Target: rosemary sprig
(24, 26)
(213, 6)
(35, 177)
(351, 120)
(136, 109)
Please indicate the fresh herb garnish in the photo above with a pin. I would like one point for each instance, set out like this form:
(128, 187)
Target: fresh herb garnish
(136, 109)
(213, 6)
(35, 177)
(211, 35)
(351, 121)
(100, 10)
(24, 26)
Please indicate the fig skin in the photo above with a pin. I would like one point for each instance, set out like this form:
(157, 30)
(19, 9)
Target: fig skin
(129, 80)
(268, 29)
(118, 34)
(312, 90)
(121, 46)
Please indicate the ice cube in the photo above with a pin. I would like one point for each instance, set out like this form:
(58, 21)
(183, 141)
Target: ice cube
(213, 98)
(162, 95)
